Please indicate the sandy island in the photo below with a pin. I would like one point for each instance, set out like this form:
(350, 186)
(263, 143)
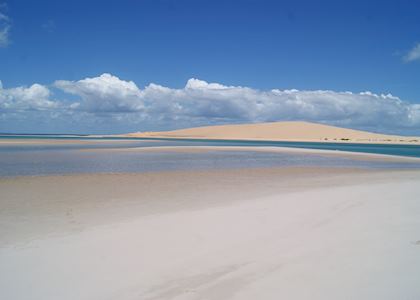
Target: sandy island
(289, 233)
(282, 131)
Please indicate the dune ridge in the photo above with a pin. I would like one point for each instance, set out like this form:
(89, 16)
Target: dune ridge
(281, 131)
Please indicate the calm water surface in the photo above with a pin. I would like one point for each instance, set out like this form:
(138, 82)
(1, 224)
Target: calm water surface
(86, 155)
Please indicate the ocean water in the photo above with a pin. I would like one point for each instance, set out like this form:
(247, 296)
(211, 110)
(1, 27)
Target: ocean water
(92, 157)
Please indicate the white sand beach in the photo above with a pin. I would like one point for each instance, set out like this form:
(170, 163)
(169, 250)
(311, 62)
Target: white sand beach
(282, 131)
(288, 233)
(209, 150)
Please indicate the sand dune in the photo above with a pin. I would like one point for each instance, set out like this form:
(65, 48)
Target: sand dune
(281, 131)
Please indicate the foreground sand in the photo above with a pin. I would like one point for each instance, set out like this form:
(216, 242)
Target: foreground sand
(282, 131)
(295, 233)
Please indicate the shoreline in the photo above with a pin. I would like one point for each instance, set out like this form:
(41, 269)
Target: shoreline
(329, 141)
(272, 149)
(150, 138)
(267, 148)
(386, 162)
(31, 197)
(292, 131)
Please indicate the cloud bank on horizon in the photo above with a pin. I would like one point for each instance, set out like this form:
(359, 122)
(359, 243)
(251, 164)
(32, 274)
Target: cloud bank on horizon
(108, 104)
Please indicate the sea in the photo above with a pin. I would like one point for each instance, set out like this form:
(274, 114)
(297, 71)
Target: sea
(86, 154)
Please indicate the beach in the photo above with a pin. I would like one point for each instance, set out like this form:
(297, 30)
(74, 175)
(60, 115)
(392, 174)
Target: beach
(287, 131)
(250, 233)
(209, 150)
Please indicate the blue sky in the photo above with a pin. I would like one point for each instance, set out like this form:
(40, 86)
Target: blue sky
(311, 46)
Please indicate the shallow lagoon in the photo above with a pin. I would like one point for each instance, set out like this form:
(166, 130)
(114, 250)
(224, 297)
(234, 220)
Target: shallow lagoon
(93, 157)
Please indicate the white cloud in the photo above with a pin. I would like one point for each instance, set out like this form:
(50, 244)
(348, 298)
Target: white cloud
(4, 30)
(413, 54)
(35, 97)
(105, 93)
(155, 107)
(200, 102)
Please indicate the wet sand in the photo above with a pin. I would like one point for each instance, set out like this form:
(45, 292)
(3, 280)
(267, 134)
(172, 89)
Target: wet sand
(268, 149)
(286, 233)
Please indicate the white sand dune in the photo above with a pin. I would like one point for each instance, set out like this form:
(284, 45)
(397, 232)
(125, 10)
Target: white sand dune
(247, 234)
(281, 131)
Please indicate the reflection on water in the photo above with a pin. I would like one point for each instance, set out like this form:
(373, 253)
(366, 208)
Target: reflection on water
(18, 160)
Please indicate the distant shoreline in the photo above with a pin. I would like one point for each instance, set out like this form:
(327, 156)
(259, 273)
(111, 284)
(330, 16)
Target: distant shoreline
(387, 150)
(281, 131)
(290, 131)
(194, 138)
(327, 141)
(121, 137)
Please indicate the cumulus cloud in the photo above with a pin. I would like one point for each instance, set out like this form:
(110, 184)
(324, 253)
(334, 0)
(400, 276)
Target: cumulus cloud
(156, 107)
(4, 28)
(105, 93)
(36, 97)
(413, 54)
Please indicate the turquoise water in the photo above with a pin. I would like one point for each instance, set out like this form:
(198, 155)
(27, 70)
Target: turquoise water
(82, 157)
(401, 150)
